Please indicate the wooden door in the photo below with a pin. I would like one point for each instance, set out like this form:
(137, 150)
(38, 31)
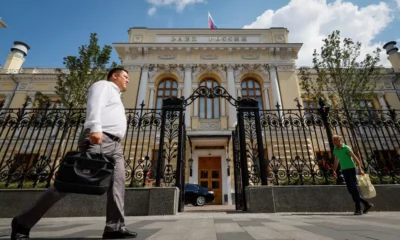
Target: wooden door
(210, 176)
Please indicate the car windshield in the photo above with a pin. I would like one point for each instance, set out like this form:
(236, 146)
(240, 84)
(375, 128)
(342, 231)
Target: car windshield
(191, 187)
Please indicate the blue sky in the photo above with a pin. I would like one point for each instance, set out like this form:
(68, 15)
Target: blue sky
(55, 29)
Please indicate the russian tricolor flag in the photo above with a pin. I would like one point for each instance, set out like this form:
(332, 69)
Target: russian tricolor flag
(211, 22)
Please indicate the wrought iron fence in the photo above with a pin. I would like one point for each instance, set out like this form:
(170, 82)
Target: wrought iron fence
(33, 141)
(298, 147)
(296, 144)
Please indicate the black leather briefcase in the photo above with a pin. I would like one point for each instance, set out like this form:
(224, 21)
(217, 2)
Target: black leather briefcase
(85, 173)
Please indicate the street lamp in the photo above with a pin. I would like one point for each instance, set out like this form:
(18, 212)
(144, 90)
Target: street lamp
(190, 166)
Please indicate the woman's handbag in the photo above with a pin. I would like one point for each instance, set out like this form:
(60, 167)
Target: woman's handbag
(85, 173)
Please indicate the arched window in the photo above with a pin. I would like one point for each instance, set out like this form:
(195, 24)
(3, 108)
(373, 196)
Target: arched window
(209, 107)
(252, 89)
(166, 89)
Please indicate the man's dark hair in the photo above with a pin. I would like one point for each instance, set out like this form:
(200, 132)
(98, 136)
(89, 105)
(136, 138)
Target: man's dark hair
(115, 70)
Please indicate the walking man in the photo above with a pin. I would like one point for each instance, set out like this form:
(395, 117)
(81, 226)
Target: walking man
(106, 125)
(345, 156)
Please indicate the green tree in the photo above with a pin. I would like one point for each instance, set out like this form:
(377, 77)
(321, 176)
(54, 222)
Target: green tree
(81, 72)
(340, 73)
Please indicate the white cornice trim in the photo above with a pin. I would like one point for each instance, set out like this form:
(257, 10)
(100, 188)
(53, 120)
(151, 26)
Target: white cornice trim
(208, 45)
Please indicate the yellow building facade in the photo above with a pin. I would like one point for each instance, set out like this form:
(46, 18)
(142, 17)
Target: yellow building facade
(163, 63)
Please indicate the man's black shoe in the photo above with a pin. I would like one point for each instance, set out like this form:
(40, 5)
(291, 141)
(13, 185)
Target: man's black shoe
(358, 212)
(18, 232)
(368, 207)
(123, 233)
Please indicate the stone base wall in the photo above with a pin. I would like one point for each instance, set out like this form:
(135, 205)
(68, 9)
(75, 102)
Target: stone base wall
(138, 202)
(265, 199)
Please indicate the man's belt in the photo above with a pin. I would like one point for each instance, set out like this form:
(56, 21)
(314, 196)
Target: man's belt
(112, 137)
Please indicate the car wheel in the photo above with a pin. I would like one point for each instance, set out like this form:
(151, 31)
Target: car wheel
(200, 200)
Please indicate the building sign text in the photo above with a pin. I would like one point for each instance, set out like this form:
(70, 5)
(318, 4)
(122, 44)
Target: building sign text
(208, 39)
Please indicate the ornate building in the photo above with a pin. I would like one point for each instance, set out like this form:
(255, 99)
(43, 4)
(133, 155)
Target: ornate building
(164, 63)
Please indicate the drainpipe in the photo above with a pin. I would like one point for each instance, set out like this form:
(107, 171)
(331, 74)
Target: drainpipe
(13, 92)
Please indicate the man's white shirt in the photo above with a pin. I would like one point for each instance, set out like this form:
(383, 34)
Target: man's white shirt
(105, 111)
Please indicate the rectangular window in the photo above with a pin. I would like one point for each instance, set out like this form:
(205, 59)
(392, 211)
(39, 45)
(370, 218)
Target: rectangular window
(310, 107)
(367, 104)
(310, 104)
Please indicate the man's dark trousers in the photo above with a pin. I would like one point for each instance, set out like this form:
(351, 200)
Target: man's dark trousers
(350, 177)
(115, 195)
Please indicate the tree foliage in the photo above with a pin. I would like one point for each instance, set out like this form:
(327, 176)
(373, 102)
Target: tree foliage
(340, 74)
(83, 70)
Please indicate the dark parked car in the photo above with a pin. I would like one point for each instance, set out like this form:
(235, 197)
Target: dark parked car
(198, 195)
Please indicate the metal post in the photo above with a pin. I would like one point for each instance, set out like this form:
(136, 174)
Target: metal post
(260, 145)
(179, 160)
(161, 147)
(243, 154)
(324, 112)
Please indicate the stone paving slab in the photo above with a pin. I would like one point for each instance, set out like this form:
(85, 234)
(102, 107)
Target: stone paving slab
(228, 226)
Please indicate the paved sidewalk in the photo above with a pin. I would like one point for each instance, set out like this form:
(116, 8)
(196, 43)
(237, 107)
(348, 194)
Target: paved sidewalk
(228, 226)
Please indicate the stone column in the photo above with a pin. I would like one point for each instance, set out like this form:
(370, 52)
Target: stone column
(266, 98)
(232, 92)
(276, 95)
(179, 91)
(239, 90)
(7, 100)
(32, 97)
(143, 86)
(151, 99)
(382, 102)
(187, 92)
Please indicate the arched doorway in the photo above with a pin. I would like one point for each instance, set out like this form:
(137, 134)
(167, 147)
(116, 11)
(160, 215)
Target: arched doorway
(247, 137)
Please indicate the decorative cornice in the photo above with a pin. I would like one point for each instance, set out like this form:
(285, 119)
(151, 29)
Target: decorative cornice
(145, 67)
(241, 69)
(380, 95)
(188, 67)
(230, 67)
(167, 57)
(181, 71)
(387, 85)
(153, 71)
(202, 68)
(157, 69)
(250, 57)
(286, 68)
(133, 68)
(208, 57)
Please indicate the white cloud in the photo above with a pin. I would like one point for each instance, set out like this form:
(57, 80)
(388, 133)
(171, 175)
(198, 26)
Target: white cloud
(178, 4)
(310, 21)
(152, 11)
(398, 3)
